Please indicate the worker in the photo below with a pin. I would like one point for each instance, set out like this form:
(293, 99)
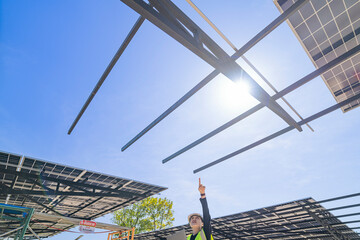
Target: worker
(201, 228)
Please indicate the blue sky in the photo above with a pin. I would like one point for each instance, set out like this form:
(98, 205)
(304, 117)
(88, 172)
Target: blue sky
(53, 53)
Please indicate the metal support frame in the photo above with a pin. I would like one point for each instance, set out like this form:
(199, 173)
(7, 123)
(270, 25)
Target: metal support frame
(119, 52)
(226, 234)
(88, 204)
(85, 189)
(282, 221)
(262, 34)
(41, 217)
(169, 18)
(4, 188)
(7, 233)
(18, 168)
(313, 205)
(281, 132)
(283, 92)
(59, 199)
(148, 193)
(55, 193)
(331, 230)
(23, 219)
(56, 200)
(243, 57)
(32, 231)
(42, 205)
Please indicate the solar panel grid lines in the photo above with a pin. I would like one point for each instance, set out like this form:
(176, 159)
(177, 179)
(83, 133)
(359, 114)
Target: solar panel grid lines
(327, 29)
(66, 190)
(283, 221)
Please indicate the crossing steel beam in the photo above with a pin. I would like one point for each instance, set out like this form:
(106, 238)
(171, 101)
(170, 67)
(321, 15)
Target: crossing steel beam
(106, 191)
(283, 92)
(281, 132)
(258, 37)
(112, 63)
(330, 229)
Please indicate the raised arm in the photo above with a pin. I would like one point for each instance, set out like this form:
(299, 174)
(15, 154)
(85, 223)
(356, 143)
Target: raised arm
(206, 214)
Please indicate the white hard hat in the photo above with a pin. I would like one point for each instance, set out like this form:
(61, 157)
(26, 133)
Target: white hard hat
(195, 214)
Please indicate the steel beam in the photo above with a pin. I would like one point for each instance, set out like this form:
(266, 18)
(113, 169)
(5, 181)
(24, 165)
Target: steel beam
(278, 95)
(26, 223)
(24, 214)
(340, 198)
(60, 193)
(112, 63)
(262, 34)
(56, 200)
(88, 204)
(75, 221)
(14, 230)
(148, 193)
(112, 208)
(3, 186)
(331, 230)
(70, 183)
(228, 235)
(216, 57)
(267, 225)
(281, 132)
(344, 207)
(32, 231)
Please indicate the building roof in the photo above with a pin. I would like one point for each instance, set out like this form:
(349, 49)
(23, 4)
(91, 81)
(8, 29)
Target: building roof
(326, 29)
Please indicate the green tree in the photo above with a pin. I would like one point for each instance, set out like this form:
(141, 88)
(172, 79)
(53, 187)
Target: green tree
(133, 216)
(150, 214)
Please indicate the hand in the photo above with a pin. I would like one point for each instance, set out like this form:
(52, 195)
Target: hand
(201, 187)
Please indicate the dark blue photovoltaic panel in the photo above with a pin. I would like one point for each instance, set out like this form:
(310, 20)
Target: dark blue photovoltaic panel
(81, 207)
(328, 29)
(292, 220)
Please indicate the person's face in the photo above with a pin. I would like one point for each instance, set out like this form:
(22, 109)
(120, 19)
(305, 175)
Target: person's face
(196, 221)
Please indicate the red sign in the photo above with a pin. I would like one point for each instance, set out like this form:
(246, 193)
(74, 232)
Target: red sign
(87, 226)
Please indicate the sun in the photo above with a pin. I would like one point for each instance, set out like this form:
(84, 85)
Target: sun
(234, 96)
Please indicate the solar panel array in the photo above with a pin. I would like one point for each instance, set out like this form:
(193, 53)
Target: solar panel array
(293, 220)
(327, 29)
(82, 207)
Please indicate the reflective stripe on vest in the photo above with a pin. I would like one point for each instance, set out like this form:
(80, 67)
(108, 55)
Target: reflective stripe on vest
(200, 236)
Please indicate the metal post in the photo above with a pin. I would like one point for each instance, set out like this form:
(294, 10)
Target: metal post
(16, 229)
(132, 233)
(26, 223)
(32, 231)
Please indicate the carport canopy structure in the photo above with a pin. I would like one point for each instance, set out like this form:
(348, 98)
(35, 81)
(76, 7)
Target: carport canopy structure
(301, 219)
(64, 192)
(336, 59)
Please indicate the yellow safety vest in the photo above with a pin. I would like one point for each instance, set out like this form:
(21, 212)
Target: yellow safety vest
(200, 236)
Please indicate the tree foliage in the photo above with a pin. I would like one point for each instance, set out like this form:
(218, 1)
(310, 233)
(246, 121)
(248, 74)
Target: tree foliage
(147, 215)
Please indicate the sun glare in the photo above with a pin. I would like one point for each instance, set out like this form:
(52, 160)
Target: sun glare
(235, 95)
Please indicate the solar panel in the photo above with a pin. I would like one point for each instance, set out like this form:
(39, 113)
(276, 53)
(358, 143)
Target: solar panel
(302, 219)
(58, 189)
(326, 29)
